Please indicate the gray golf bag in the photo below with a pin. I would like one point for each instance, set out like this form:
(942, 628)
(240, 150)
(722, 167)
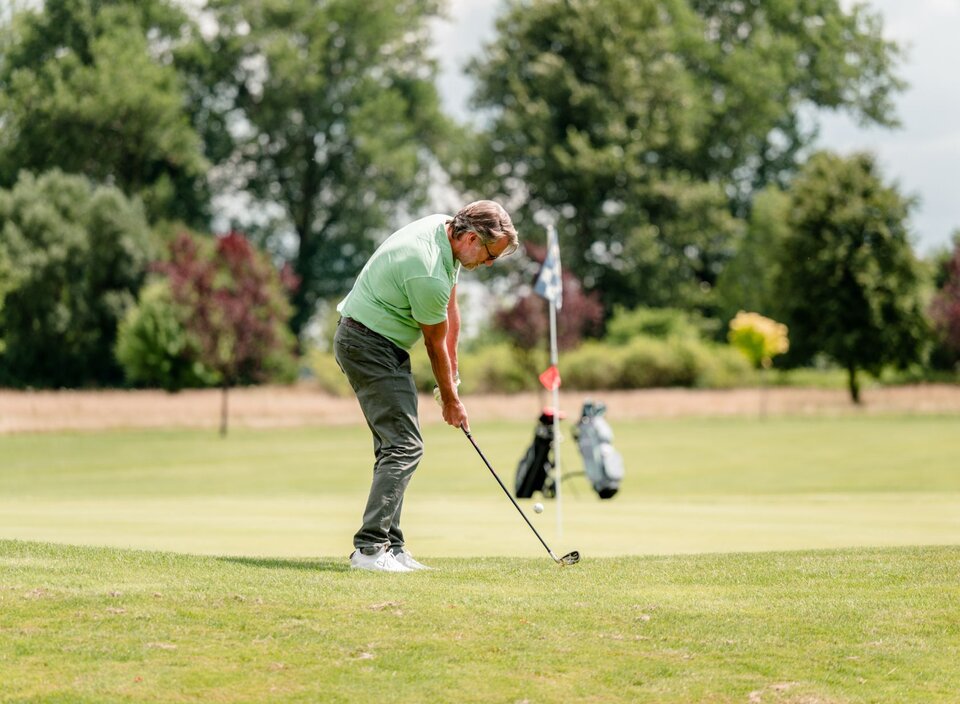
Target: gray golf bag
(535, 471)
(602, 464)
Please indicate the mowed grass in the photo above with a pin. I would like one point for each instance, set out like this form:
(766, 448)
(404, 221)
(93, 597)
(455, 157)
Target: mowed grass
(251, 600)
(692, 485)
(105, 625)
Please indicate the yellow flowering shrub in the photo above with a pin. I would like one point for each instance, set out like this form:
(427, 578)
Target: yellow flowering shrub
(760, 339)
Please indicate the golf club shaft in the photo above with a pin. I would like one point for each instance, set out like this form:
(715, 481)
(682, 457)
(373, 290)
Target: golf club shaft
(507, 492)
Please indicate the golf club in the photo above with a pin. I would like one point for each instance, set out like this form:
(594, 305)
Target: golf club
(571, 558)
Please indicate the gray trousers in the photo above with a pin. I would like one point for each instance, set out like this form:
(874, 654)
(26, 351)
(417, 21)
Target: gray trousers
(380, 375)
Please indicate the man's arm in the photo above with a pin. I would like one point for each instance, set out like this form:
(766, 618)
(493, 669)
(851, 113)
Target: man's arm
(435, 340)
(453, 331)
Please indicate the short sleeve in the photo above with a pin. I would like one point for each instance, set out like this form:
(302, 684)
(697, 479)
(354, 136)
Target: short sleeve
(428, 298)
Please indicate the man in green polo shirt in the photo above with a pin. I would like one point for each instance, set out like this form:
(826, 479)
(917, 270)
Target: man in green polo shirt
(408, 289)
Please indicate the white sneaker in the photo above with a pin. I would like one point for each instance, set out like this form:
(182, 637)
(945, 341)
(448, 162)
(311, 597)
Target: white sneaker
(381, 561)
(406, 559)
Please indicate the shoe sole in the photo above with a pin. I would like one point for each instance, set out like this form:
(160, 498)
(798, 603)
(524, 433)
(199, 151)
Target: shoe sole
(380, 569)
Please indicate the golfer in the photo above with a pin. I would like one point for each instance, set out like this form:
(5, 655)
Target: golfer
(408, 288)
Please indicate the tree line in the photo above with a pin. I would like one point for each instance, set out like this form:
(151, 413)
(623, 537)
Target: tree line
(672, 140)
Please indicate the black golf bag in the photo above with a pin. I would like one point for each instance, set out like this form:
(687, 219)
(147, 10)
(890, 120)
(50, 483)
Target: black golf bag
(602, 464)
(534, 473)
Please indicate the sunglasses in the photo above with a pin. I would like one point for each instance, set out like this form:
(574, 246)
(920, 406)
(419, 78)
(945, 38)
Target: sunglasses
(490, 256)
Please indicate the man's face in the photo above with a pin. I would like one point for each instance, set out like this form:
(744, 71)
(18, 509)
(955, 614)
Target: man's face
(476, 254)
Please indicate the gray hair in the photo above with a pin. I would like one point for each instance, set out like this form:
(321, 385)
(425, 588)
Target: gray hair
(489, 220)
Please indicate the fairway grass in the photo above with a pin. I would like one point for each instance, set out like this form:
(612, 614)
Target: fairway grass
(691, 485)
(85, 625)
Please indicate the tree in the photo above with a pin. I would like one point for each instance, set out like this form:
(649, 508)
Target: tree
(848, 279)
(335, 115)
(748, 282)
(80, 254)
(6, 284)
(646, 123)
(233, 307)
(526, 323)
(945, 307)
(759, 339)
(91, 87)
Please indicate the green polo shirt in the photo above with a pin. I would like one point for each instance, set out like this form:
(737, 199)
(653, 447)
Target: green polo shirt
(406, 282)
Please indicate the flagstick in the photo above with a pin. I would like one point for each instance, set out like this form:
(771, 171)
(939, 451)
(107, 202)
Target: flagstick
(550, 285)
(556, 417)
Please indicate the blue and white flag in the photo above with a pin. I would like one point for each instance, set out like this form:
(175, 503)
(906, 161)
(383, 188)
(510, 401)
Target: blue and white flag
(549, 282)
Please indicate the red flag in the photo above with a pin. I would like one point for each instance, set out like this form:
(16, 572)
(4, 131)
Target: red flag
(551, 378)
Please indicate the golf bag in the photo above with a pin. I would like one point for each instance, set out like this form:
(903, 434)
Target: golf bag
(602, 464)
(534, 473)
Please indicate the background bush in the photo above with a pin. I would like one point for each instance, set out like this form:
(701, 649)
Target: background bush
(153, 347)
(326, 373)
(79, 255)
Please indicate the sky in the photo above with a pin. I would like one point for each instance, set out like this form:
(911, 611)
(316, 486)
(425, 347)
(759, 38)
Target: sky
(922, 156)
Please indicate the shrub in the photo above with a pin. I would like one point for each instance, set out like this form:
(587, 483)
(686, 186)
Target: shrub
(662, 323)
(722, 367)
(594, 365)
(153, 347)
(496, 368)
(327, 374)
(649, 362)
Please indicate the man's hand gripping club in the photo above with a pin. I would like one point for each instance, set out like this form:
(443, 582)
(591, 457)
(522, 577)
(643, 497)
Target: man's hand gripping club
(435, 340)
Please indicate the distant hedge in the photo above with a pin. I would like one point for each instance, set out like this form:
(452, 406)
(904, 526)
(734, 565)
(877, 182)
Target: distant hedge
(645, 362)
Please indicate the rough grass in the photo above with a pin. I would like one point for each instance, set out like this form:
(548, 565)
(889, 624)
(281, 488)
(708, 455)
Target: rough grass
(104, 625)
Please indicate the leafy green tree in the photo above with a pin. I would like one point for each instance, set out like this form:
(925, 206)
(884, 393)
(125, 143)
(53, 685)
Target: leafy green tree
(334, 115)
(6, 284)
(91, 87)
(80, 254)
(748, 282)
(644, 123)
(848, 277)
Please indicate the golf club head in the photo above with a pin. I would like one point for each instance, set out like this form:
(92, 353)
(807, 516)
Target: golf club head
(571, 558)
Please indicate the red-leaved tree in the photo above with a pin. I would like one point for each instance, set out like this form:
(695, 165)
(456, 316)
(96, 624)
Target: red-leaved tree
(945, 307)
(233, 304)
(527, 322)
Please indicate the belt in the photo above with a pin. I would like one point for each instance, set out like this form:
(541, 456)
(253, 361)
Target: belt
(357, 325)
(400, 353)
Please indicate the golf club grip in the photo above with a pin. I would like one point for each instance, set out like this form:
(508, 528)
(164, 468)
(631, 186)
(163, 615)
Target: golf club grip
(505, 490)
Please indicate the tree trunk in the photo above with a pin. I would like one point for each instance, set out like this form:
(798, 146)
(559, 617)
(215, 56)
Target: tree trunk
(853, 383)
(763, 393)
(223, 411)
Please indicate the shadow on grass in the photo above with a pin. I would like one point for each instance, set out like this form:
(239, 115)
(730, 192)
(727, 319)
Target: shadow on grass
(271, 563)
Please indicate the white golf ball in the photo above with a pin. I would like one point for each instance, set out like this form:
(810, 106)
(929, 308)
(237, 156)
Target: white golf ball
(538, 507)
